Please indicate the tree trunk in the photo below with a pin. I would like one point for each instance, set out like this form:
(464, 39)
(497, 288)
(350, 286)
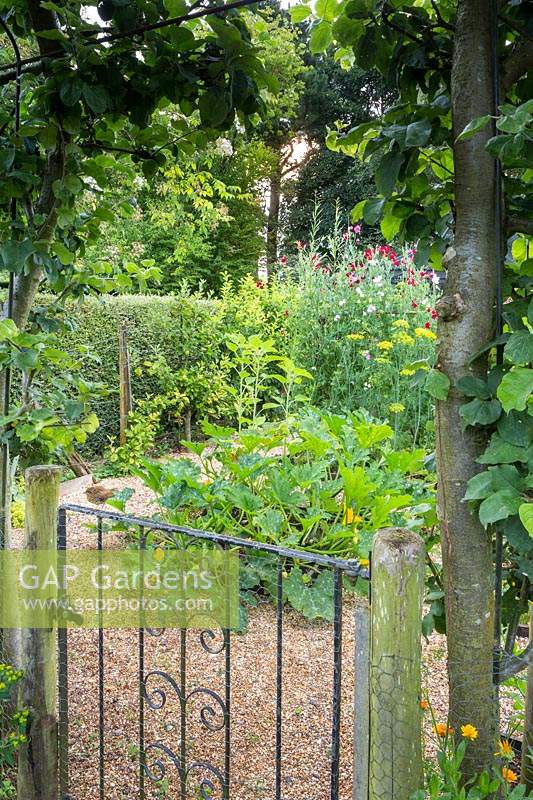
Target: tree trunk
(465, 325)
(273, 214)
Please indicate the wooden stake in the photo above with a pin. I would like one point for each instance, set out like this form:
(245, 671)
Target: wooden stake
(527, 743)
(37, 767)
(398, 558)
(124, 382)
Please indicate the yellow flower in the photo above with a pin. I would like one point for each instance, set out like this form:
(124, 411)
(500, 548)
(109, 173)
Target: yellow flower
(424, 704)
(441, 729)
(509, 776)
(505, 749)
(381, 360)
(355, 336)
(396, 408)
(365, 562)
(407, 371)
(404, 338)
(385, 345)
(425, 333)
(469, 732)
(351, 517)
(400, 323)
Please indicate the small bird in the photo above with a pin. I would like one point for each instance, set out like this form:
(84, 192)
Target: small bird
(100, 494)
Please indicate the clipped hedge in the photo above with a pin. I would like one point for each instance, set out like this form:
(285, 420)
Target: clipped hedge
(184, 330)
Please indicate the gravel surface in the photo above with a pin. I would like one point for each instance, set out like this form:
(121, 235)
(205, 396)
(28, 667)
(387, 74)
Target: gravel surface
(306, 707)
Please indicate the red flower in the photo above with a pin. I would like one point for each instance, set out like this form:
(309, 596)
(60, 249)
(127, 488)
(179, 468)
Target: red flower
(427, 325)
(414, 304)
(260, 284)
(283, 260)
(434, 314)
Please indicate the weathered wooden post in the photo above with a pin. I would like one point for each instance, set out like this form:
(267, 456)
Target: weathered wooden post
(361, 731)
(398, 565)
(37, 767)
(124, 381)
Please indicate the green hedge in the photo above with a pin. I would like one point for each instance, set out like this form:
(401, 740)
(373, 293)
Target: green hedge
(184, 330)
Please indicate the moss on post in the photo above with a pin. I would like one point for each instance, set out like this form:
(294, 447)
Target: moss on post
(37, 768)
(398, 559)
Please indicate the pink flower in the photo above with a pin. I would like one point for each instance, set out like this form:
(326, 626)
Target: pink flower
(300, 245)
(356, 229)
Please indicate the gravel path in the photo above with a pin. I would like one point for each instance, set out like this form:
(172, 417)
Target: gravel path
(306, 712)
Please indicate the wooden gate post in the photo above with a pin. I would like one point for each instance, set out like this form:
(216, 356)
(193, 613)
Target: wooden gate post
(37, 767)
(398, 566)
(361, 730)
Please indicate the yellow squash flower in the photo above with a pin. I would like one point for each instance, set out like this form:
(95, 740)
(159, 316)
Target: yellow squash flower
(365, 562)
(350, 517)
(469, 732)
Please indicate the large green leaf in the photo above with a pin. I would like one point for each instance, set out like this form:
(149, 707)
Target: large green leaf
(526, 516)
(418, 133)
(515, 389)
(519, 348)
(387, 172)
(321, 37)
(437, 384)
(494, 479)
(479, 412)
(502, 452)
(372, 210)
(499, 505)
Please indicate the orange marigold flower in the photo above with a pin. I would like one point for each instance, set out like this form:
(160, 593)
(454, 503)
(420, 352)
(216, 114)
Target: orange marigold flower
(505, 749)
(424, 704)
(441, 729)
(509, 776)
(469, 732)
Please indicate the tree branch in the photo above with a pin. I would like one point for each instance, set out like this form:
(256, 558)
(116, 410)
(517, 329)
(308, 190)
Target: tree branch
(442, 22)
(517, 64)
(519, 225)
(512, 665)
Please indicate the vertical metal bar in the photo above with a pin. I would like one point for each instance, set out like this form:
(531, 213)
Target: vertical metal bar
(227, 699)
(101, 676)
(142, 539)
(62, 642)
(183, 711)
(279, 676)
(227, 729)
(337, 675)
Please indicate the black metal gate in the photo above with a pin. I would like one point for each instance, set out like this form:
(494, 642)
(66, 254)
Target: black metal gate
(165, 766)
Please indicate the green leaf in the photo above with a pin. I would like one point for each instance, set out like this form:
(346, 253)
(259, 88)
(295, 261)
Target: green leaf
(525, 512)
(474, 127)
(437, 384)
(26, 359)
(473, 387)
(70, 91)
(347, 31)
(8, 329)
(390, 225)
(96, 98)
(387, 172)
(502, 452)
(15, 254)
(327, 9)
(300, 12)
(418, 133)
(63, 253)
(479, 412)
(321, 37)
(499, 505)
(519, 348)
(515, 389)
(373, 210)
(503, 476)
(7, 157)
